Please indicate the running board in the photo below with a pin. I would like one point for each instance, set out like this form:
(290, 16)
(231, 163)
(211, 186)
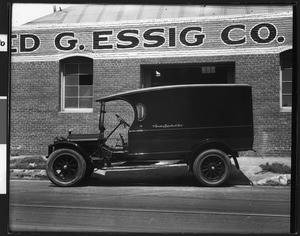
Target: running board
(103, 170)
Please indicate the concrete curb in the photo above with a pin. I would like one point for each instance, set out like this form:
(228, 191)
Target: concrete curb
(249, 173)
(250, 166)
(275, 180)
(35, 174)
(278, 180)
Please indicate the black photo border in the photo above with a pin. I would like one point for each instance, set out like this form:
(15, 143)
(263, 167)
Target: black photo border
(5, 28)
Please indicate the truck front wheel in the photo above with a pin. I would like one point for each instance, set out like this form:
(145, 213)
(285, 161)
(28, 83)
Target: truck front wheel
(65, 167)
(212, 167)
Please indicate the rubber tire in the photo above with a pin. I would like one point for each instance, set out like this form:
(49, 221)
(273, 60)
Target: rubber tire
(81, 170)
(202, 157)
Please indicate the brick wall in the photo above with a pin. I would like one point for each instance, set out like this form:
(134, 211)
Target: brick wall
(35, 108)
(36, 116)
(35, 100)
(272, 126)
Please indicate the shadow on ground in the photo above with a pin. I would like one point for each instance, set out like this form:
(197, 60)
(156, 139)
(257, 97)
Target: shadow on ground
(237, 177)
(170, 176)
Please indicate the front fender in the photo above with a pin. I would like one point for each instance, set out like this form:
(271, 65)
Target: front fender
(67, 145)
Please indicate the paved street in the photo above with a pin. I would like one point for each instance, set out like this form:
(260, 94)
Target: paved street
(95, 207)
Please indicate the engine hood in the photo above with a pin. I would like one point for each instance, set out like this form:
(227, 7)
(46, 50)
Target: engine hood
(82, 137)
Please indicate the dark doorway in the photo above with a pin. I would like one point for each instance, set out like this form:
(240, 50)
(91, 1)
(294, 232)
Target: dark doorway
(162, 75)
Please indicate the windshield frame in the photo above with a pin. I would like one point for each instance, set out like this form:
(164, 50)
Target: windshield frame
(101, 119)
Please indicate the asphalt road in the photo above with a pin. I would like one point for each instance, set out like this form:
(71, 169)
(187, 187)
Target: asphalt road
(98, 206)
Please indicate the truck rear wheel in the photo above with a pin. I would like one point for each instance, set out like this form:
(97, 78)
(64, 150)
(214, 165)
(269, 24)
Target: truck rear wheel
(65, 167)
(212, 167)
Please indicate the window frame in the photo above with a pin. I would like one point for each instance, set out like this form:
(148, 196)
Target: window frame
(284, 108)
(63, 85)
(281, 69)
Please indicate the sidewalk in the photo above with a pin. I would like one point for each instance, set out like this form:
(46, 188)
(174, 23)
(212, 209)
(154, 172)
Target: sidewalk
(249, 174)
(250, 167)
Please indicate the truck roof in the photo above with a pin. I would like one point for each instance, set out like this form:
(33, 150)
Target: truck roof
(123, 95)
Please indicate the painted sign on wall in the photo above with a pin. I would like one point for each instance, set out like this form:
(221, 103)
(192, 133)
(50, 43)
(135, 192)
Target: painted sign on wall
(181, 36)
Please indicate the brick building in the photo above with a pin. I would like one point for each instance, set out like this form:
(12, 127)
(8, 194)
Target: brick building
(63, 62)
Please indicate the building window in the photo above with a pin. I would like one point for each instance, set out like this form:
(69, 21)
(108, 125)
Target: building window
(77, 85)
(286, 79)
(287, 87)
(208, 70)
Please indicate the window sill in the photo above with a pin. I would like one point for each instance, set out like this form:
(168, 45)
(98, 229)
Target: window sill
(285, 109)
(77, 111)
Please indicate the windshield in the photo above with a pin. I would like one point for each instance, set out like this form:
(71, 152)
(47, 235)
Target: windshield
(115, 119)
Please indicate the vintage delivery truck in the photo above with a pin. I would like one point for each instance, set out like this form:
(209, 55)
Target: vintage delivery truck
(202, 126)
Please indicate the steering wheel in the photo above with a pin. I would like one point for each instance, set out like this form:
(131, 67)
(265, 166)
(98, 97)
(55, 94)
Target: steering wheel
(121, 120)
